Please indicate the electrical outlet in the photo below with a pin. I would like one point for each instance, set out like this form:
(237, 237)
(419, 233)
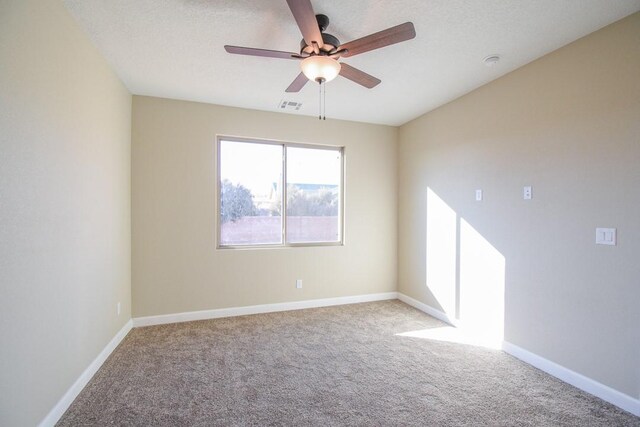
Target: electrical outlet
(118, 308)
(527, 193)
(298, 283)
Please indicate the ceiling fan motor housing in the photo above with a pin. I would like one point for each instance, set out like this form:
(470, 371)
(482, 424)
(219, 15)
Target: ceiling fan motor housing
(330, 42)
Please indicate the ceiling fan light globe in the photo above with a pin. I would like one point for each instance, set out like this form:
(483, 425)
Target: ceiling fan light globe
(320, 68)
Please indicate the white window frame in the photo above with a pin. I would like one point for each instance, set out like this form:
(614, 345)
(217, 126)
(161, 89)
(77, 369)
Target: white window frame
(284, 145)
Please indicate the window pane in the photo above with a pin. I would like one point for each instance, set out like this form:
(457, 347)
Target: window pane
(313, 195)
(250, 196)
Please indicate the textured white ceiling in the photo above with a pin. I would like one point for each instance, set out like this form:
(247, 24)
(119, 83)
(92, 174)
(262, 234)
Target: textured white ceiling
(174, 48)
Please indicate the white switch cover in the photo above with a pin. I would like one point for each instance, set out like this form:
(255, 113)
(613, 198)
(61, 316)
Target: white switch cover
(478, 195)
(606, 236)
(299, 283)
(527, 193)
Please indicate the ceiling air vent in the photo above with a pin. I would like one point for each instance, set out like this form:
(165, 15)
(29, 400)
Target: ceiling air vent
(290, 105)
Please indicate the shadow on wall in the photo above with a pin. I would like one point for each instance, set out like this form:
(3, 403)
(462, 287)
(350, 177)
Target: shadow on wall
(466, 275)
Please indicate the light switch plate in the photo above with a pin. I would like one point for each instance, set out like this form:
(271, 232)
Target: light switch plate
(478, 195)
(606, 236)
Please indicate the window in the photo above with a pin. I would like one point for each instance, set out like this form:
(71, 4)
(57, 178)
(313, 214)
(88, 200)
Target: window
(279, 194)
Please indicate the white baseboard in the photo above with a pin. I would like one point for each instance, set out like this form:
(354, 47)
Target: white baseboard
(257, 309)
(593, 387)
(67, 399)
(440, 315)
(606, 393)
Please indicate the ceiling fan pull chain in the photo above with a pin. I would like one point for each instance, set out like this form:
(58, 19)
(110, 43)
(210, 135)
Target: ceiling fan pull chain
(324, 101)
(320, 100)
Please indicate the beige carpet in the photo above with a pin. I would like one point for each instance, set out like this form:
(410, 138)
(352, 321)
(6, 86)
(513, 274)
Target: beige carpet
(331, 366)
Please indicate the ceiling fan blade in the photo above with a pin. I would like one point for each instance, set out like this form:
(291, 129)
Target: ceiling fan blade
(298, 83)
(306, 19)
(383, 38)
(360, 77)
(239, 50)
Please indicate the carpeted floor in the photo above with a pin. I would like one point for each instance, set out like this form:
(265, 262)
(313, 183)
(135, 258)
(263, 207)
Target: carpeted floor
(332, 366)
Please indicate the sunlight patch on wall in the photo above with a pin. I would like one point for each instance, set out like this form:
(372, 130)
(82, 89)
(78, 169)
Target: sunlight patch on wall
(466, 275)
(441, 252)
(482, 279)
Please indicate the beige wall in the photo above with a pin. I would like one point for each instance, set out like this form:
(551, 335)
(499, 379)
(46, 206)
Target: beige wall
(176, 266)
(64, 206)
(569, 125)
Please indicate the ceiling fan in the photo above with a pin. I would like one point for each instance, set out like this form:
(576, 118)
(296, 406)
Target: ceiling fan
(320, 51)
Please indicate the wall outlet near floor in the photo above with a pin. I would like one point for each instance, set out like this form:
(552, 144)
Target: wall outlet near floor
(527, 193)
(298, 283)
(118, 308)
